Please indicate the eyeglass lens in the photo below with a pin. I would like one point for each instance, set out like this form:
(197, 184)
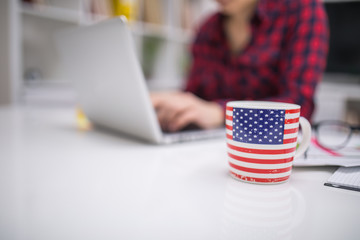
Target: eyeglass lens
(333, 135)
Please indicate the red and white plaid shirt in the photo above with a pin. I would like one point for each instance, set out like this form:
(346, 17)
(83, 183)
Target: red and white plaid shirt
(283, 62)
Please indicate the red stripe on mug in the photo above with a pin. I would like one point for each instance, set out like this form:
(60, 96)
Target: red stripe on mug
(260, 161)
(292, 120)
(262, 180)
(229, 117)
(292, 130)
(262, 151)
(290, 140)
(260, 171)
(229, 108)
(289, 111)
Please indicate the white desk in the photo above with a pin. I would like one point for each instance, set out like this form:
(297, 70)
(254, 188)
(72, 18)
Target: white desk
(59, 183)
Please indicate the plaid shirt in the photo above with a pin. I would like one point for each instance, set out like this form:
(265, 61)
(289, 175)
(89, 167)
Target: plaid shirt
(283, 62)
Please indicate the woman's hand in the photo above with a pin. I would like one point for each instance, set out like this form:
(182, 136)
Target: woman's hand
(176, 110)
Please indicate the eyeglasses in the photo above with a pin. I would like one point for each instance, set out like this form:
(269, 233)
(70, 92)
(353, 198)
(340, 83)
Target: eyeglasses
(334, 134)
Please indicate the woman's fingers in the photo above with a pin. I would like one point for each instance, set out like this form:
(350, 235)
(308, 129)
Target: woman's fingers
(176, 110)
(183, 119)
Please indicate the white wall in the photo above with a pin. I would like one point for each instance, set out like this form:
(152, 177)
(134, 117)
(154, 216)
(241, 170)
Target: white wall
(331, 97)
(39, 50)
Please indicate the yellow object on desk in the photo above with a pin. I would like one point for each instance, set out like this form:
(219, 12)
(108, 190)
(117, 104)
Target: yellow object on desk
(127, 8)
(82, 121)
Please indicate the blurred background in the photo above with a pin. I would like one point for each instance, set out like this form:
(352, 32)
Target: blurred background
(30, 71)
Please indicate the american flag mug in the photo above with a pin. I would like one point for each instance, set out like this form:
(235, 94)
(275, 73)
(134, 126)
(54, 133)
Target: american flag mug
(262, 139)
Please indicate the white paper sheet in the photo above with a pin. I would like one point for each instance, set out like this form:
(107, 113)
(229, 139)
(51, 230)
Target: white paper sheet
(345, 177)
(349, 157)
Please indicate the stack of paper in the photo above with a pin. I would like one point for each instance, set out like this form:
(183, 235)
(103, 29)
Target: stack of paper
(318, 156)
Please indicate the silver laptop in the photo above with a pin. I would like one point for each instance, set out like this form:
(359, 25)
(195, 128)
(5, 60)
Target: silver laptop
(101, 62)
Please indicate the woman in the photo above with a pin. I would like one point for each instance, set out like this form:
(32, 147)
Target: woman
(251, 50)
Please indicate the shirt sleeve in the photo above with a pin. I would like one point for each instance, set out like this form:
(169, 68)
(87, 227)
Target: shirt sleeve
(303, 58)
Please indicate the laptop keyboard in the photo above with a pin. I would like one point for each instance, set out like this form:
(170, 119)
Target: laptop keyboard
(193, 135)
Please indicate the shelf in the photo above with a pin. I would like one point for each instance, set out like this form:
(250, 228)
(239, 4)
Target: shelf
(161, 31)
(171, 40)
(48, 92)
(138, 28)
(53, 13)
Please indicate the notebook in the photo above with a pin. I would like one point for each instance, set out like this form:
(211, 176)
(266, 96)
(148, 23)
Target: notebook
(346, 178)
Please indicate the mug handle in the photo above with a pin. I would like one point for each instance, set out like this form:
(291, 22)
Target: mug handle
(306, 136)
